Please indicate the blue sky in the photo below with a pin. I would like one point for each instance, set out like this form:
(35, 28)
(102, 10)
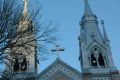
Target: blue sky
(68, 13)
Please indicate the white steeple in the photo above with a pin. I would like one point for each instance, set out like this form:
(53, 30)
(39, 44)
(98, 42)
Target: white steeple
(95, 51)
(24, 22)
(24, 61)
(25, 9)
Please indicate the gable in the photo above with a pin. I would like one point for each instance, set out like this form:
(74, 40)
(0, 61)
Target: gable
(95, 43)
(61, 70)
(59, 76)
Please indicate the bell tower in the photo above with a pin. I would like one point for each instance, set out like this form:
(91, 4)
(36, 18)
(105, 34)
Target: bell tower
(22, 63)
(95, 52)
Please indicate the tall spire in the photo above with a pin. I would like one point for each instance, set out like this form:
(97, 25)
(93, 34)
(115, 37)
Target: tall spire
(104, 31)
(25, 10)
(87, 11)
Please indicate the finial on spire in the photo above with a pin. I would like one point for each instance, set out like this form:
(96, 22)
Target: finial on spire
(87, 11)
(25, 10)
(104, 31)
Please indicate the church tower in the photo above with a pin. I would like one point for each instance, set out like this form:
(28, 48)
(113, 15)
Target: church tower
(95, 52)
(23, 64)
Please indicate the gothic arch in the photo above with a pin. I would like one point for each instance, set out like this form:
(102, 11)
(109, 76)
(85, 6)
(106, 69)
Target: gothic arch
(20, 63)
(16, 65)
(97, 57)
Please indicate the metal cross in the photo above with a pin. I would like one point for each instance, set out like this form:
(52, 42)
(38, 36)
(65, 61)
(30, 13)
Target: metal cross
(57, 50)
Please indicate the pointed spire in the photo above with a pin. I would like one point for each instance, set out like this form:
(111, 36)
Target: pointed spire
(25, 10)
(104, 31)
(87, 11)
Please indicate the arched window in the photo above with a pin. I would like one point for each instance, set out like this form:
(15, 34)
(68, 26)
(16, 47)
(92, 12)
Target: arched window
(16, 65)
(93, 61)
(20, 63)
(24, 65)
(101, 60)
(97, 58)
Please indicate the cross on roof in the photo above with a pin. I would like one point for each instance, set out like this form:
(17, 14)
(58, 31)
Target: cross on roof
(57, 50)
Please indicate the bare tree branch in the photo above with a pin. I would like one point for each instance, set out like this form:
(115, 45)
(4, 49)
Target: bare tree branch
(20, 33)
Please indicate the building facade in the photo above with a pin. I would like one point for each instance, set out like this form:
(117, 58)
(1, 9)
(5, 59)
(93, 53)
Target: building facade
(95, 55)
(59, 70)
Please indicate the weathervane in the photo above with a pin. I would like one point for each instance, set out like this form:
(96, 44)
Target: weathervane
(57, 50)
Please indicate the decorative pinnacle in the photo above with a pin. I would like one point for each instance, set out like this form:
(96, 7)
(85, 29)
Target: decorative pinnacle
(25, 10)
(104, 31)
(87, 11)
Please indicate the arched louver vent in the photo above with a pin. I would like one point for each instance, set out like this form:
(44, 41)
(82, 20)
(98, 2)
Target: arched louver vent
(93, 61)
(16, 65)
(24, 65)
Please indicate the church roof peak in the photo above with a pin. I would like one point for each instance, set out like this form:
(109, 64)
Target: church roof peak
(87, 9)
(59, 66)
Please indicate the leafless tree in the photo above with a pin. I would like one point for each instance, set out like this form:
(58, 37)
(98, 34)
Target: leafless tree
(19, 31)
